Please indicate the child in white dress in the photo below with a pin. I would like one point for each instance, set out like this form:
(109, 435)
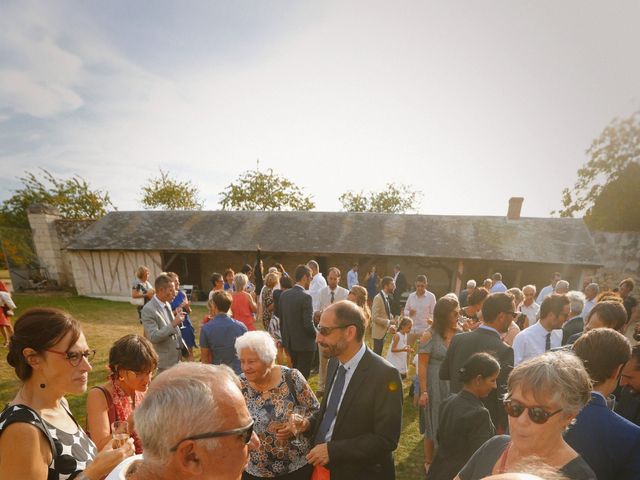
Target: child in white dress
(398, 350)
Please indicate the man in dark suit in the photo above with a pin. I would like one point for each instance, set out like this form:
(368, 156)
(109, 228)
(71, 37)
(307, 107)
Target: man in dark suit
(400, 281)
(296, 322)
(358, 425)
(498, 311)
(608, 442)
(575, 324)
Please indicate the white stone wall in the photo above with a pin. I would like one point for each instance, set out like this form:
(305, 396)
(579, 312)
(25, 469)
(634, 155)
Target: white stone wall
(620, 255)
(47, 245)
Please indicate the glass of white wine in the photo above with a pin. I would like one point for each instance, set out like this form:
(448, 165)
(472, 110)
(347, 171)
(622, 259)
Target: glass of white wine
(119, 433)
(296, 420)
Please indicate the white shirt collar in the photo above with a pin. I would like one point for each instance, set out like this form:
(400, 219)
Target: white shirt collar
(355, 360)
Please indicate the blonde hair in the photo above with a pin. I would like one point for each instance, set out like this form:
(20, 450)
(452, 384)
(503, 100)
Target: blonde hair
(361, 299)
(240, 281)
(271, 280)
(140, 271)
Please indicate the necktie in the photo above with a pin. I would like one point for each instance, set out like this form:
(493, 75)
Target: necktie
(169, 314)
(386, 305)
(332, 406)
(547, 342)
(333, 297)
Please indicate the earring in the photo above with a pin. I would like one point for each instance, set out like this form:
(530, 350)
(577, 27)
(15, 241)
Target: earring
(42, 385)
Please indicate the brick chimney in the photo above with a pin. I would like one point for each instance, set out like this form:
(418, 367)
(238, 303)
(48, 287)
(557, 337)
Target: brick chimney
(515, 207)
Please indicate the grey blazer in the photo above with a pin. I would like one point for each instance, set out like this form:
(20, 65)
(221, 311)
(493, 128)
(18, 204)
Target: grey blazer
(166, 339)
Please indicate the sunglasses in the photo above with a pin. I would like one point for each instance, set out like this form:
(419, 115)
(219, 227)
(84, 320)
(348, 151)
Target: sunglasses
(537, 414)
(75, 358)
(244, 432)
(326, 331)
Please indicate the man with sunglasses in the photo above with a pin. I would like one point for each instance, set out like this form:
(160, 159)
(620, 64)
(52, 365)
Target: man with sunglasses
(358, 425)
(546, 333)
(498, 311)
(194, 425)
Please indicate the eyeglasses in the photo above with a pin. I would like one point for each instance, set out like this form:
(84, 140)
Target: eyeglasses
(537, 414)
(326, 331)
(245, 432)
(513, 314)
(75, 358)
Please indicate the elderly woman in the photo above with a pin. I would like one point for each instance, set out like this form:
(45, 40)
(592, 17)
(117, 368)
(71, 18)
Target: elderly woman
(132, 362)
(244, 305)
(271, 392)
(39, 437)
(545, 394)
(141, 291)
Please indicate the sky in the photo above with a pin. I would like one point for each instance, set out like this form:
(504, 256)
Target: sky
(468, 102)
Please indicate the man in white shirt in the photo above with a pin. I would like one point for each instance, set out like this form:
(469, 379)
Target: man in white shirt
(352, 276)
(546, 333)
(419, 308)
(548, 290)
(590, 292)
(529, 307)
(330, 294)
(498, 286)
(317, 283)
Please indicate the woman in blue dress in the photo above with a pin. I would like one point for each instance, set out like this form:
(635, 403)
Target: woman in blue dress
(181, 302)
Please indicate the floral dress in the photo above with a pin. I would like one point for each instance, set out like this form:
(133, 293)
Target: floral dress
(269, 411)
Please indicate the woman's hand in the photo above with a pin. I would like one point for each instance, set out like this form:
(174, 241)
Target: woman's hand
(108, 459)
(285, 432)
(424, 399)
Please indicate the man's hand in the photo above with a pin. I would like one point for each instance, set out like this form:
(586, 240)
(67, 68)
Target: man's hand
(319, 455)
(178, 319)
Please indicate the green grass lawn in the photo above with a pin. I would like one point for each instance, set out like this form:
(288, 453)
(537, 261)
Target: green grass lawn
(104, 322)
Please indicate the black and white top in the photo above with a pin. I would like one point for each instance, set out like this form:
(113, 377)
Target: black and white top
(71, 452)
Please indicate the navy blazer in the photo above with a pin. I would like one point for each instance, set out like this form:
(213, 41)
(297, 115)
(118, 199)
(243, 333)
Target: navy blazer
(609, 443)
(296, 320)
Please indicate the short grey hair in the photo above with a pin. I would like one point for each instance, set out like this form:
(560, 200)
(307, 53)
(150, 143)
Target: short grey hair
(240, 281)
(487, 281)
(577, 300)
(174, 408)
(562, 285)
(530, 287)
(471, 284)
(593, 286)
(558, 377)
(260, 342)
(313, 265)
(517, 295)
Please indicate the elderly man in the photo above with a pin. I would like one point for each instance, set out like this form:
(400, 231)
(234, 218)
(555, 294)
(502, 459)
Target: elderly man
(575, 324)
(549, 289)
(381, 315)
(464, 295)
(591, 291)
(194, 424)
(529, 306)
(562, 287)
(330, 294)
(160, 326)
(419, 307)
(359, 422)
(544, 334)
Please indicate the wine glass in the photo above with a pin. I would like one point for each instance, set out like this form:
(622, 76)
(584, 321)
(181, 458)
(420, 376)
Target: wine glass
(119, 433)
(296, 419)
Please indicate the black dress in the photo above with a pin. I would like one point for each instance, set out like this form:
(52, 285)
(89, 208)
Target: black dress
(481, 463)
(464, 425)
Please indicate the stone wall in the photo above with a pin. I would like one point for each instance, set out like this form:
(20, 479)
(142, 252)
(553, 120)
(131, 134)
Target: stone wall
(620, 256)
(42, 220)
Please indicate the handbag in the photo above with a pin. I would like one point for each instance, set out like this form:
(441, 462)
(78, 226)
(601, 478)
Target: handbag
(320, 473)
(138, 302)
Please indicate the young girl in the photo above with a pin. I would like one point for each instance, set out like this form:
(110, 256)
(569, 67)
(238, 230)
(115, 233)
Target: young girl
(397, 354)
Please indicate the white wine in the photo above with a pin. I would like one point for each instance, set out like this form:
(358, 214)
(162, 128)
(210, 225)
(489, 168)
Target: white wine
(119, 439)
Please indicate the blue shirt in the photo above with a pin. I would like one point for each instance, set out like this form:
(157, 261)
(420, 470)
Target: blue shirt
(219, 335)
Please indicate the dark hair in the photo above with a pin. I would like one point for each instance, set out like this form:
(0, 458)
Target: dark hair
(301, 272)
(286, 282)
(628, 282)
(228, 271)
(602, 350)
(40, 329)
(348, 313)
(222, 300)
(421, 279)
(441, 312)
(482, 364)
(554, 303)
(385, 281)
(246, 268)
(132, 352)
(611, 313)
(162, 281)
(478, 296)
(494, 305)
(215, 278)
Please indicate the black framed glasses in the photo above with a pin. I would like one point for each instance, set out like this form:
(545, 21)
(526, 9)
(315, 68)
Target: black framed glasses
(325, 331)
(537, 414)
(74, 358)
(244, 432)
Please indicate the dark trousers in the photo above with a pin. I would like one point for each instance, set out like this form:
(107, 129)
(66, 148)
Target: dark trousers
(378, 343)
(303, 473)
(302, 362)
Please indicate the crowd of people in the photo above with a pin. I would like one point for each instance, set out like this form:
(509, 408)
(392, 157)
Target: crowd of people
(505, 381)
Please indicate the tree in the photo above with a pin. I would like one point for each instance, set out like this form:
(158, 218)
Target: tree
(73, 197)
(611, 157)
(258, 190)
(393, 199)
(169, 194)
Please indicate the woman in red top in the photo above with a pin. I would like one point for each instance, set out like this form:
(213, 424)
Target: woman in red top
(244, 305)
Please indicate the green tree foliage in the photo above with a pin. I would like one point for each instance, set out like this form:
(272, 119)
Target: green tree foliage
(611, 156)
(393, 199)
(258, 190)
(73, 197)
(168, 194)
